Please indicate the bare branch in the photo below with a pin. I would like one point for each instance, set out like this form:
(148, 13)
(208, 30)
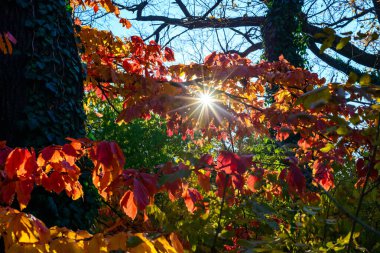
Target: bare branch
(254, 47)
(183, 8)
(212, 8)
(198, 23)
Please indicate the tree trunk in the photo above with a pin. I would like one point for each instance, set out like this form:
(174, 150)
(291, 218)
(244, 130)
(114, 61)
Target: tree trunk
(41, 88)
(41, 93)
(282, 31)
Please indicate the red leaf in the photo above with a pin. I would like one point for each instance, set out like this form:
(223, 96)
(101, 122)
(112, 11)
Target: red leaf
(296, 181)
(322, 174)
(141, 194)
(7, 192)
(362, 169)
(206, 159)
(125, 23)
(137, 40)
(283, 174)
(109, 162)
(168, 54)
(24, 189)
(222, 182)
(209, 60)
(251, 182)
(231, 163)
(204, 180)
(69, 150)
(131, 66)
(325, 178)
(96, 8)
(237, 181)
(150, 182)
(191, 196)
(53, 182)
(20, 163)
(127, 202)
(103, 153)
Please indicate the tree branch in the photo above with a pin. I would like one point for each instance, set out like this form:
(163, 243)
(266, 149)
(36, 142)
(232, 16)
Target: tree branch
(347, 20)
(335, 63)
(212, 8)
(183, 8)
(338, 64)
(370, 167)
(250, 49)
(351, 216)
(376, 4)
(200, 22)
(350, 51)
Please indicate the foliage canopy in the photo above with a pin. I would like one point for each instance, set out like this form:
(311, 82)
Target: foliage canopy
(223, 155)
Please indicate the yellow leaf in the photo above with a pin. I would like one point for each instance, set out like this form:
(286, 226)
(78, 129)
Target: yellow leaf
(342, 43)
(328, 30)
(176, 243)
(365, 80)
(352, 78)
(262, 118)
(162, 245)
(96, 245)
(327, 148)
(145, 246)
(118, 241)
(314, 98)
(27, 229)
(28, 248)
(342, 130)
(319, 35)
(327, 43)
(63, 245)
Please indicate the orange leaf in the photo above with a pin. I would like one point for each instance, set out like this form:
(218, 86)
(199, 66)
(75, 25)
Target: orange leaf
(20, 163)
(127, 202)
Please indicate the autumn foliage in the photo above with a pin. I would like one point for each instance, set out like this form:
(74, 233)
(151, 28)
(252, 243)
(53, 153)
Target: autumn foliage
(334, 123)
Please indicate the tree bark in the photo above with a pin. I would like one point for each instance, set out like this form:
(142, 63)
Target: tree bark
(41, 83)
(41, 93)
(280, 28)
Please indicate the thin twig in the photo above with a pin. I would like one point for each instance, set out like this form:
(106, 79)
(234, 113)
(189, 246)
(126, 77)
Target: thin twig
(350, 215)
(361, 198)
(112, 209)
(108, 100)
(219, 227)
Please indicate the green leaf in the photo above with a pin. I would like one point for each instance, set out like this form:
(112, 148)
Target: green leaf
(342, 43)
